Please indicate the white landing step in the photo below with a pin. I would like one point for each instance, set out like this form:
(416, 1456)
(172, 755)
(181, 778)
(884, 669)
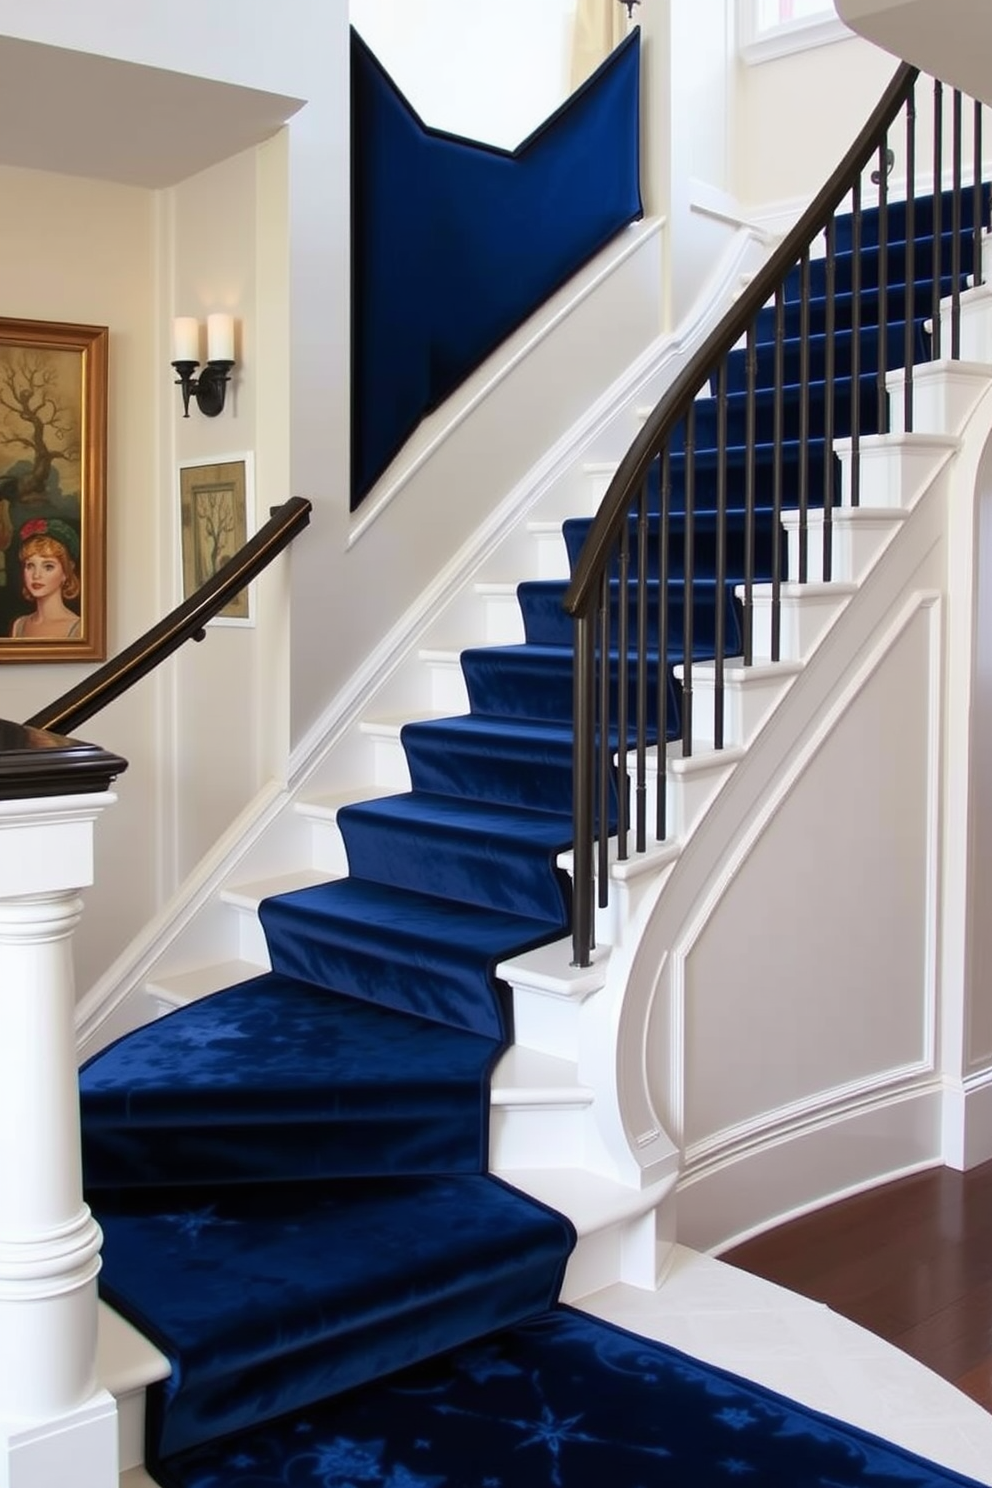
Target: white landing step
(623, 1232)
(126, 1364)
(728, 1318)
(175, 990)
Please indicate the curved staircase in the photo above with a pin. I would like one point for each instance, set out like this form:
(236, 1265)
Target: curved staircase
(405, 1122)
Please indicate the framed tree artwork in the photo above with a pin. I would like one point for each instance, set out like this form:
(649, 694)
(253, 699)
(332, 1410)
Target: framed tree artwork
(53, 475)
(216, 511)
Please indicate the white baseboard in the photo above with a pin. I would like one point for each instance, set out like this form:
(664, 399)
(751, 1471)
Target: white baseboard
(968, 1121)
(726, 1201)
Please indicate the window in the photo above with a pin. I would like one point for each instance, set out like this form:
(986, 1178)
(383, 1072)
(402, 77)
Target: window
(773, 28)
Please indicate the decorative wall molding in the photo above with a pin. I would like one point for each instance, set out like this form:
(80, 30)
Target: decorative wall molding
(848, 1151)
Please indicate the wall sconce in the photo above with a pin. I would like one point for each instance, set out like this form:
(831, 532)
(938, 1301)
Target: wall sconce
(210, 387)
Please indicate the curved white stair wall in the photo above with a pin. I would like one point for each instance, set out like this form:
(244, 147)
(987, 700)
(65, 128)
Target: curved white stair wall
(787, 1000)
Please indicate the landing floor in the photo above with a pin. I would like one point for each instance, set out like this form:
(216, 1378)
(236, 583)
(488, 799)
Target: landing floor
(800, 1348)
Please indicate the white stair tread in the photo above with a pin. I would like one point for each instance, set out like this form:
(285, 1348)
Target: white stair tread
(183, 987)
(548, 969)
(250, 895)
(137, 1477)
(814, 589)
(734, 669)
(389, 725)
(527, 1077)
(589, 1200)
(656, 856)
(438, 656)
(326, 807)
(125, 1359)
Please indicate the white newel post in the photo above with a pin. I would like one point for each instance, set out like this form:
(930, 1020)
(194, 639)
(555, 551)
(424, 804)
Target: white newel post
(57, 1427)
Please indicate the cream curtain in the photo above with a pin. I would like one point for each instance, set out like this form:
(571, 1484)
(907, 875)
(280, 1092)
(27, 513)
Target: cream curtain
(599, 26)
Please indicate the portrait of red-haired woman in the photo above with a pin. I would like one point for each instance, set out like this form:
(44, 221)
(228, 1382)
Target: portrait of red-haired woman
(48, 553)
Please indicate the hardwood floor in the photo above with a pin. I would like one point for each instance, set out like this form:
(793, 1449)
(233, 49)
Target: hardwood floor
(911, 1261)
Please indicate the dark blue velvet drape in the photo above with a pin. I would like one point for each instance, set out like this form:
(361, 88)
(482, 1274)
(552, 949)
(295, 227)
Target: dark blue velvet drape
(455, 243)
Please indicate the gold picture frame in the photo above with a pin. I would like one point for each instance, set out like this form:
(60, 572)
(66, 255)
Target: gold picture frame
(216, 518)
(53, 491)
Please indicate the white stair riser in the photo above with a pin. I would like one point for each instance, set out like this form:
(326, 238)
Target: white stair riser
(448, 692)
(635, 1251)
(389, 764)
(552, 556)
(975, 325)
(944, 395)
(893, 473)
(327, 847)
(504, 624)
(855, 546)
(131, 1428)
(546, 1023)
(542, 1136)
(804, 618)
(251, 937)
(749, 696)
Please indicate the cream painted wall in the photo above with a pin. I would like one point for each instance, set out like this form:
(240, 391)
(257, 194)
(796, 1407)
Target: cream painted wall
(831, 88)
(84, 251)
(212, 690)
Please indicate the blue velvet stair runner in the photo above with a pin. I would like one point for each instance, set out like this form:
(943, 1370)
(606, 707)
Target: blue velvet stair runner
(291, 1174)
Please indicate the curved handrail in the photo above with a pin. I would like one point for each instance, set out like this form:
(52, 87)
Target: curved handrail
(582, 593)
(631, 611)
(185, 623)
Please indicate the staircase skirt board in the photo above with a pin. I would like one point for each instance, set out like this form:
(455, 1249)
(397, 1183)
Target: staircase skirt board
(292, 1174)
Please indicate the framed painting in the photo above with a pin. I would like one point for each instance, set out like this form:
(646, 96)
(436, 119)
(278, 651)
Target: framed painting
(53, 491)
(216, 518)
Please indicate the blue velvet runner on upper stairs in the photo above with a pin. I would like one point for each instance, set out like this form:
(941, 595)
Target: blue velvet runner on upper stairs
(291, 1175)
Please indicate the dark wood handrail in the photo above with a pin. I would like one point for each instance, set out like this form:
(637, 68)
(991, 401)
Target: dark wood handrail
(185, 623)
(583, 592)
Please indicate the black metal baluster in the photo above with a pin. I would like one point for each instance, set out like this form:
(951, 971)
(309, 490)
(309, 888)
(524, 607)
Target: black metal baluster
(829, 370)
(583, 788)
(661, 804)
(605, 749)
(978, 272)
(689, 574)
(641, 725)
(804, 294)
(856, 341)
(883, 290)
(909, 347)
(938, 218)
(956, 229)
(623, 693)
(778, 426)
(750, 441)
(720, 597)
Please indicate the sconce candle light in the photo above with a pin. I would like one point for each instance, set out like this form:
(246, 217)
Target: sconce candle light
(210, 387)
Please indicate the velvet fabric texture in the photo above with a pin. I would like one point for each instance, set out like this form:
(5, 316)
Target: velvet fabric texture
(281, 1080)
(456, 243)
(561, 1402)
(291, 1175)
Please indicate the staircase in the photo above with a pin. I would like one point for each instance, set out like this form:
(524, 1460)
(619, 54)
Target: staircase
(397, 1072)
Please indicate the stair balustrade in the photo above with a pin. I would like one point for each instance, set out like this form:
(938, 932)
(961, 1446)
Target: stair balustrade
(748, 431)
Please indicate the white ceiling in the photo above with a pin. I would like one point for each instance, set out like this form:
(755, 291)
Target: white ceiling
(84, 115)
(952, 39)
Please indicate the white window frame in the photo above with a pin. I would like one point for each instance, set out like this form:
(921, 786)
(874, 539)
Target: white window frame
(764, 45)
